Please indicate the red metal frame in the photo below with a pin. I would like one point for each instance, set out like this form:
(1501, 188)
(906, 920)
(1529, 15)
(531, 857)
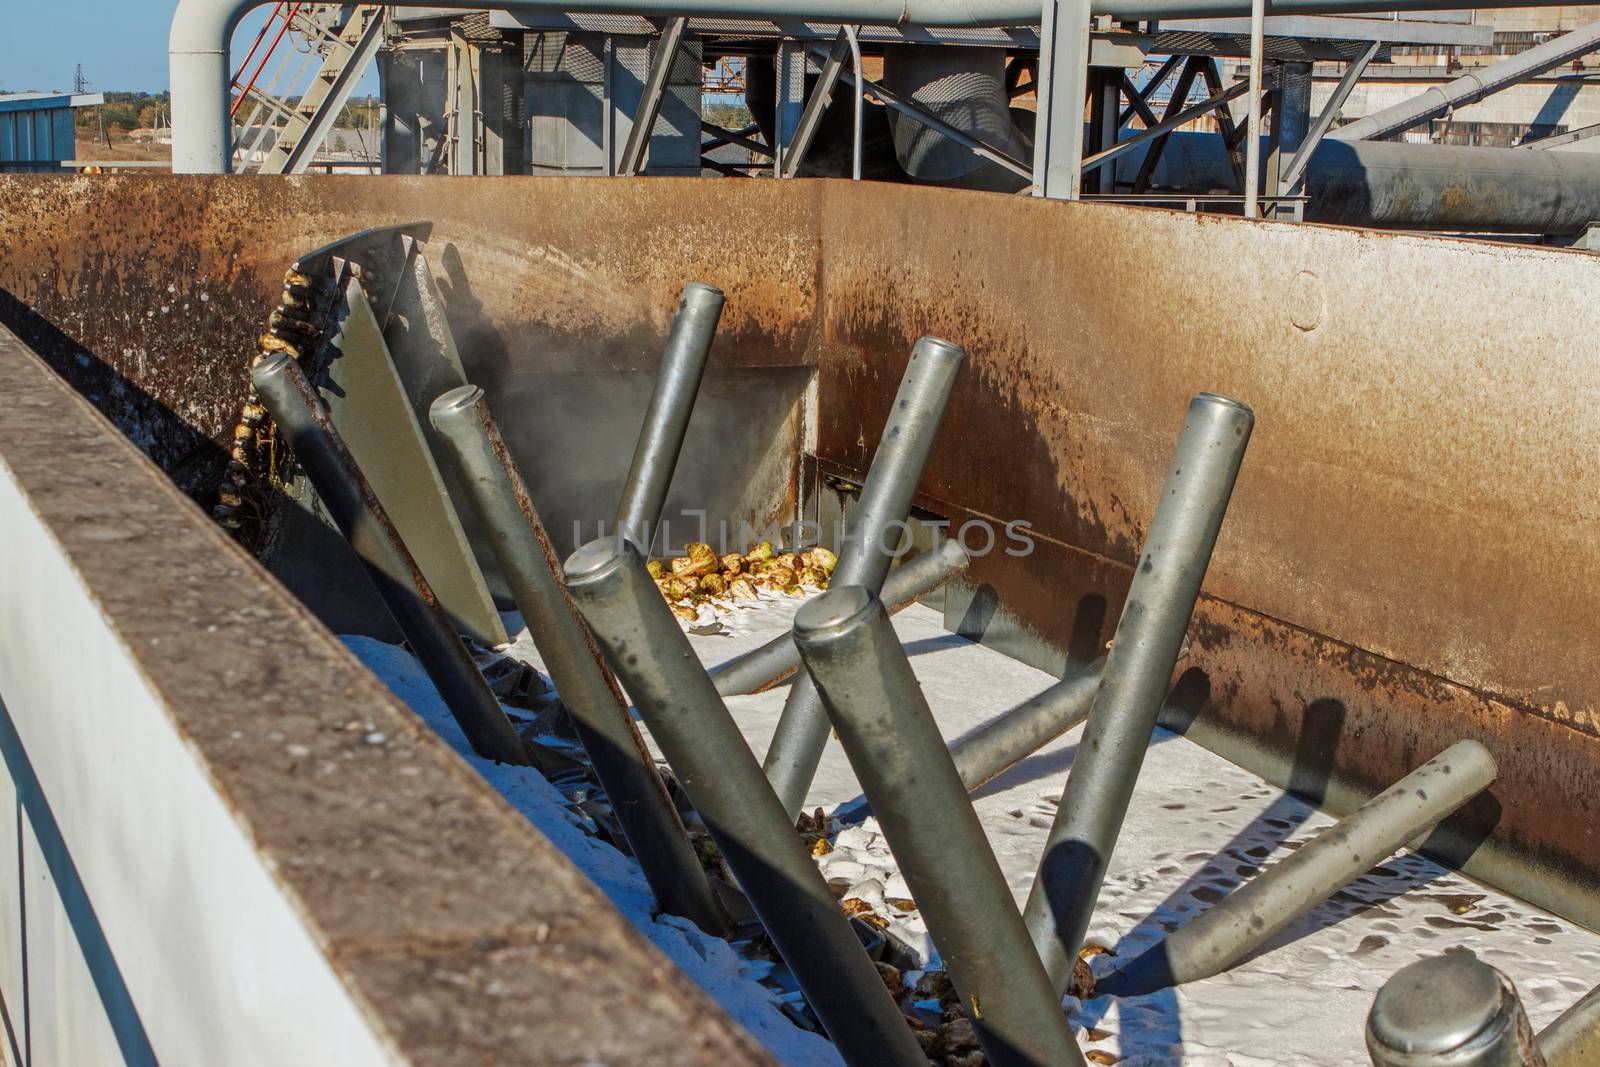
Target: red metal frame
(283, 10)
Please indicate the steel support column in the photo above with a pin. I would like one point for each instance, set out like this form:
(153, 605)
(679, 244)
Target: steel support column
(805, 130)
(1295, 172)
(636, 150)
(1252, 136)
(1063, 76)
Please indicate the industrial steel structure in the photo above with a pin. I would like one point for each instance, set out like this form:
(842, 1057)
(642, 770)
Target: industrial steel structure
(1335, 532)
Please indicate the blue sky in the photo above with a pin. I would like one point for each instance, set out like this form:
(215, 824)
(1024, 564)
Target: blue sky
(122, 44)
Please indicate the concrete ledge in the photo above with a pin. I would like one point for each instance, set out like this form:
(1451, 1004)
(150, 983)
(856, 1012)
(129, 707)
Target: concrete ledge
(269, 883)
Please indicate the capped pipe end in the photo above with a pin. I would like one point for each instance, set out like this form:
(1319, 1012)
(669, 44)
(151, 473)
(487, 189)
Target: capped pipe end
(1219, 400)
(938, 348)
(270, 366)
(700, 291)
(1435, 1006)
(598, 560)
(461, 398)
(836, 612)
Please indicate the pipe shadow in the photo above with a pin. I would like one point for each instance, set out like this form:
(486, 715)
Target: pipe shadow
(1242, 858)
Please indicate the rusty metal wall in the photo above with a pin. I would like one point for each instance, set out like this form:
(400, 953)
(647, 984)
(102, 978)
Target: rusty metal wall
(1410, 556)
(148, 292)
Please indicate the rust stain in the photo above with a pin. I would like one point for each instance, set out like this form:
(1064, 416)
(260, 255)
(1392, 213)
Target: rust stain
(1412, 536)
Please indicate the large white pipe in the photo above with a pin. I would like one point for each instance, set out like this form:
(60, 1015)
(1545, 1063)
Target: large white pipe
(1473, 86)
(202, 29)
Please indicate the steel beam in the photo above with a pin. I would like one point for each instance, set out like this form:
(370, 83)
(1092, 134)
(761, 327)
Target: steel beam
(805, 130)
(1295, 172)
(873, 699)
(871, 536)
(774, 661)
(892, 100)
(1139, 99)
(496, 492)
(1232, 132)
(757, 837)
(1450, 1011)
(357, 512)
(1252, 136)
(1063, 71)
(636, 150)
(666, 420)
(1160, 131)
(1144, 650)
(1157, 135)
(1254, 913)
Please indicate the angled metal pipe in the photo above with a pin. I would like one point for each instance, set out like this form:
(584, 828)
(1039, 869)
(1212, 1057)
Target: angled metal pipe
(1450, 1011)
(1254, 913)
(1473, 86)
(1028, 727)
(1573, 1040)
(666, 420)
(642, 641)
(1144, 650)
(873, 699)
(872, 533)
(494, 489)
(358, 513)
(774, 661)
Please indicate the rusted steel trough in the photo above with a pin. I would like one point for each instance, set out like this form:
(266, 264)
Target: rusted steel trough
(1409, 558)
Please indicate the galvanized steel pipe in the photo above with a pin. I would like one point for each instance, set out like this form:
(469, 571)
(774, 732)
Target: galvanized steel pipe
(495, 491)
(674, 695)
(1144, 650)
(870, 537)
(1026, 728)
(1573, 1040)
(872, 697)
(778, 658)
(1450, 1011)
(356, 510)
(1251, 915)
(666, 420)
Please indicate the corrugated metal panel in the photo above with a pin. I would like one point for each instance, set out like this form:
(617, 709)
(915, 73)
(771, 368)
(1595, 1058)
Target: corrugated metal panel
(35, 133)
